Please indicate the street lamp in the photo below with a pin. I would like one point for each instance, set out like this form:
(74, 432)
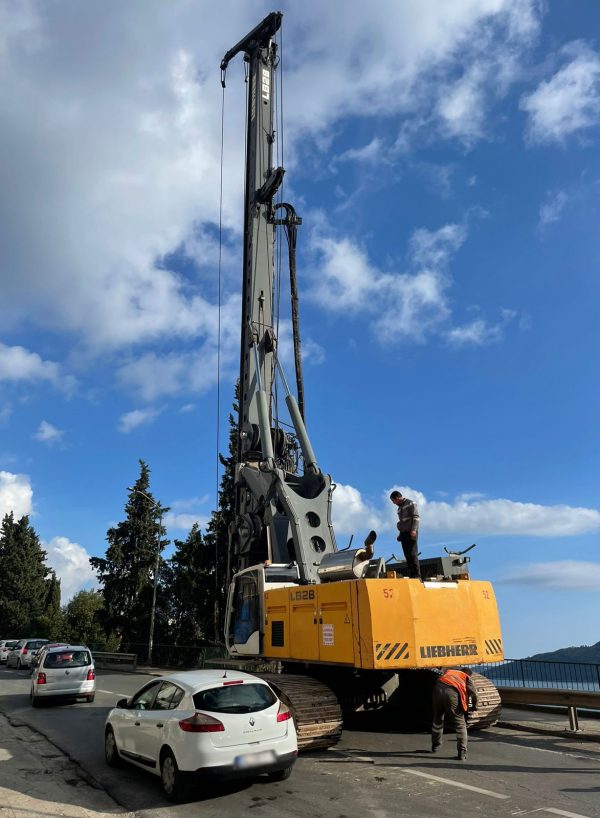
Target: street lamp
(156, 566)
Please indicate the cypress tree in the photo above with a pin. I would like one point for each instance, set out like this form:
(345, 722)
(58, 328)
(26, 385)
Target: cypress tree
(126, 573)
(23, 571)
(216, 540)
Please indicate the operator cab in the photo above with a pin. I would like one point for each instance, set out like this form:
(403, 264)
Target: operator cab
(245, 604)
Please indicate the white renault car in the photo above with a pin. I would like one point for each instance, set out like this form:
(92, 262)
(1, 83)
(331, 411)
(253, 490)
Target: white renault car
(218, 723)
(65, 671)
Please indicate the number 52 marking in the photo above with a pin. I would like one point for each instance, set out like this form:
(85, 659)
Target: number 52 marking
(388, 593)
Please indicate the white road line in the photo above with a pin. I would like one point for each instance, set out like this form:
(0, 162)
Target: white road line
(113, 693)
(553, 752)
(555, 811)
(456, 784)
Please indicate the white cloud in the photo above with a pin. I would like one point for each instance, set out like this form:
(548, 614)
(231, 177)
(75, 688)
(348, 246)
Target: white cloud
(552, 208)
(184, 522)
(372, 152)
(569, 101)
(152, 375)
(137, 417)
(111, 142)
(352, 515)
(19, 364)
(47, 433)
(480, 332)
(405, 304)
(71, 562)
(570, 575)
(469, 513)
(16, 494)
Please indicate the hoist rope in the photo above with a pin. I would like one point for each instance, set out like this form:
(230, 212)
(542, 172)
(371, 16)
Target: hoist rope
(218, 419)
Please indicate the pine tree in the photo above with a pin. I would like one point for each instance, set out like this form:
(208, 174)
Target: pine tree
(23, 571)
(126, 573)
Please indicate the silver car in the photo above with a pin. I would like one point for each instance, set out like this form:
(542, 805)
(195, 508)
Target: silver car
(66, 671)
(20, 655)
(6, 645)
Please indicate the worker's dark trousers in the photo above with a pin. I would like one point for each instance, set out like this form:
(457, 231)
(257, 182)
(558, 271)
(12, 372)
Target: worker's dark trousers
(446, 702)
(409, 546)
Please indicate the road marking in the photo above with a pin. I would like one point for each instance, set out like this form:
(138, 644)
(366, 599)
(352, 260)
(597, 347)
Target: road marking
(553, 752)
(456, 784)
(113, 693)
(555, 811)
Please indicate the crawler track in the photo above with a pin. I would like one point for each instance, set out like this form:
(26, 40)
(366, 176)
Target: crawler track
(317, 713)
(489, 704)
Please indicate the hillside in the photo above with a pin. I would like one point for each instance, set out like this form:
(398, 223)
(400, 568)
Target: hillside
(585, 653)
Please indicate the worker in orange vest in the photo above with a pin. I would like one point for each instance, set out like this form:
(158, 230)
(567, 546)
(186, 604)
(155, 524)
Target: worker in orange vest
(451, 694)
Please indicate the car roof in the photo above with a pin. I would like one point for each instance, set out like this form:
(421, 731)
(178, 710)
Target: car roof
(194, 680)
(63, 648)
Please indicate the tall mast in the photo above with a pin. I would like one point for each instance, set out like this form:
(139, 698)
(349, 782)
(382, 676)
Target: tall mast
(280, 516)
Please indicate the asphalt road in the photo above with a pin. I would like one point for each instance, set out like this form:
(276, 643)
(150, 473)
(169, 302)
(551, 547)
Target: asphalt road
(376, 770)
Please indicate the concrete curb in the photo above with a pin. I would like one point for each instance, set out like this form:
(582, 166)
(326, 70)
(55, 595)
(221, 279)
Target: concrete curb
(580, 735)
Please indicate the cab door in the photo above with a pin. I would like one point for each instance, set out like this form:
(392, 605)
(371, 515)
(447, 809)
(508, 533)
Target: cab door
(336, 642)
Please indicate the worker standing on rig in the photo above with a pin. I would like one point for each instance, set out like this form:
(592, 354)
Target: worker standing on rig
(408, 527)
(450, 697)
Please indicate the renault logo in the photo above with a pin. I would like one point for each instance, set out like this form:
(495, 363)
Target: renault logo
(252, 722)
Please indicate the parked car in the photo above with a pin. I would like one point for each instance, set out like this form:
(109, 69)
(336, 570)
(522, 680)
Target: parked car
(64, 671)
(223, 724)
(20, 655)
(6, 645)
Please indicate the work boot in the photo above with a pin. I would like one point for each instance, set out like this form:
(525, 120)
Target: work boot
(462, 754)
(435, 748)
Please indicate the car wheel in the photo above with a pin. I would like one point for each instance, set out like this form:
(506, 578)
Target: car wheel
(173, 781)
(35, 702)
(18, 664)
(281, 775)
(111, 754)
(91, 698)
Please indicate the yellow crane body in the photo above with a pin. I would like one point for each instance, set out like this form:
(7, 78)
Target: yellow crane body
(383, 624)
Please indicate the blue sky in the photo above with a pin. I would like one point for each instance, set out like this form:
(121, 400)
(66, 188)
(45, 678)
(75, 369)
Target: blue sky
(444, 158)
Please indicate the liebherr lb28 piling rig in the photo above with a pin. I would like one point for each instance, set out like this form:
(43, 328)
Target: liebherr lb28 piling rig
(344, 629)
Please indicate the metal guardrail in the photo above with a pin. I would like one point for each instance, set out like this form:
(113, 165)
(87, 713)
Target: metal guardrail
(552, 697)
(114, 661)
(540, 674)
(571, 685)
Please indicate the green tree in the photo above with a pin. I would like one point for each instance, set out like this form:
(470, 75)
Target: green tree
(50, 624)
(216, 540)
(126, 573)
(24, 586)
(190, 591)
(83, 619)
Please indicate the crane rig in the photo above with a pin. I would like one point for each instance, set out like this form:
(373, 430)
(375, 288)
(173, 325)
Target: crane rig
(340, 629)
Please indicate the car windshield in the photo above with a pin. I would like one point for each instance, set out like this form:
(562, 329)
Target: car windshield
(235, 698)
(35, 645)
(67, 658)
(12, 643)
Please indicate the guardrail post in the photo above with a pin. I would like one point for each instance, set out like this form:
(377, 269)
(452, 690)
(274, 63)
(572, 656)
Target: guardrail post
(573, 718)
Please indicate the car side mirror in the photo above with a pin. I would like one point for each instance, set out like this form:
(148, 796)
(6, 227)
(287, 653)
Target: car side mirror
(123, 703)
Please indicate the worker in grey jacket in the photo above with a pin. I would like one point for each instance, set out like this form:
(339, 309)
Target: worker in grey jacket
(408, 526)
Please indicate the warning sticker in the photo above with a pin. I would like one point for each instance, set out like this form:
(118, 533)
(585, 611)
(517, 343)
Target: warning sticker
(327, 631)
